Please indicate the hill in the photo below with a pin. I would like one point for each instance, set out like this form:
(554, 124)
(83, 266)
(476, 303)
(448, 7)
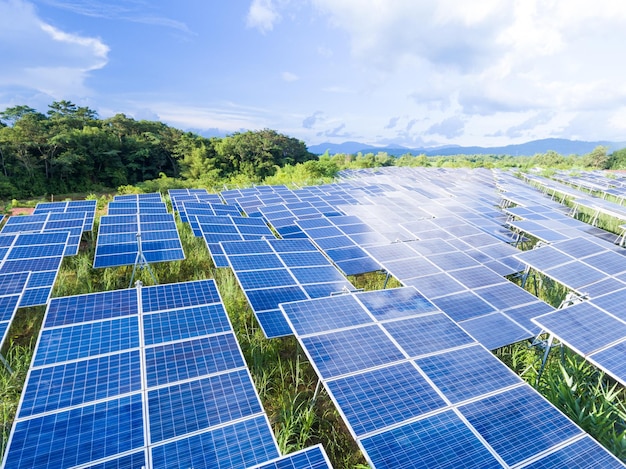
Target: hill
(559, 145)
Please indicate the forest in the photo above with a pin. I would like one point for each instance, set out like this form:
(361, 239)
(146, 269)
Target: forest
(69, 150)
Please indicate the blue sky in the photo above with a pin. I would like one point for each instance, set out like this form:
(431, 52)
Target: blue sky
(406, 72)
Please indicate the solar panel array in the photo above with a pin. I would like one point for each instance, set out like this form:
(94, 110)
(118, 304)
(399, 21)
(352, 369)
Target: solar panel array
(144, 229)
(70, 206)
(192, 209)
(216, 229)
(275, 271)
(144, 377)
(586, 266)
(178, 196)
(494, 310)
(40, 254)
(416, 391)
(330, 234)
(71, 222)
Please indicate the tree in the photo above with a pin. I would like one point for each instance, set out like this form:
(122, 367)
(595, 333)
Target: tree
(12, 114)
(597, 159)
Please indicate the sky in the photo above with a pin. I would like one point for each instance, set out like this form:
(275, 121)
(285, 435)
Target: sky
(384, 72)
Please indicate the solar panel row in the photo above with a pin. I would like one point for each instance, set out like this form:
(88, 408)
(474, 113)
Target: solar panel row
(417, 391)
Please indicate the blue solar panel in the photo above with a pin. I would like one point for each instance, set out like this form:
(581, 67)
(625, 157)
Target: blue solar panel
(179, 295)
(52, 388)
(325, 314)
(92, 307)
(263, 300)
(495, 330)
(253, 279)
(184, 323)
(191, 406)
(86, 340)
(342, 352)
(237, 446)
(78, 435)
(396, 303)
(463, 306)
(189, 359)
(273, 323)
(519, 423)
(383, 397)
(8, 305)
(467, 373)
(13, 283)
(583, 327)
(156, 233)
(309, 458)
(442, 440)
(426, 334)
(186, 384)
(581, 454)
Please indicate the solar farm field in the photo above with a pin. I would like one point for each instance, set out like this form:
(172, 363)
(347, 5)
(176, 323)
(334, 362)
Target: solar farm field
(400, 317)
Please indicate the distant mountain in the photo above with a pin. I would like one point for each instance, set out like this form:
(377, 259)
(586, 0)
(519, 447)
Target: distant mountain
(559, 145)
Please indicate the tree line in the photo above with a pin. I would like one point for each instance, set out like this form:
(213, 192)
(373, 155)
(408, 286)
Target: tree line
(70, 149)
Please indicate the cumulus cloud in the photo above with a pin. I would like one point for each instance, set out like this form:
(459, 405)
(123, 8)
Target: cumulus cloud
(449, 128)
(262, 15)
(335, 132)
(41, 57)
(392, 122)
(310, 121)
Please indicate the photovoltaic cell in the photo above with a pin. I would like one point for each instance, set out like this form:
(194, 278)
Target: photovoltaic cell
(325, 314)
(309, 458)
(106, 428)
(584, 327)
(382, 397)
(342, 352)
(467, 373)
(495, 330)
(193, 405)
(538, 426)
(74, 383)
(442, 440)
(427, 334)
(238, 446)
(581, 454)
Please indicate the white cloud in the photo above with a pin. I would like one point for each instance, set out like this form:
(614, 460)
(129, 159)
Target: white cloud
(492, 64)
(41, 57)
(262, 15)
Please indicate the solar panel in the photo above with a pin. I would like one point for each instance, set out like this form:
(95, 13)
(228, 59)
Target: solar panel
(442, 440)
(580, 454)
(71, 222)
(169, 390)
(584, 327)
(274, 271)
(219, 228)
(519, 423)
(41, 255)
(72, 206)
(122, 239)
(381, 397)
(309, 458)
(347, 255)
